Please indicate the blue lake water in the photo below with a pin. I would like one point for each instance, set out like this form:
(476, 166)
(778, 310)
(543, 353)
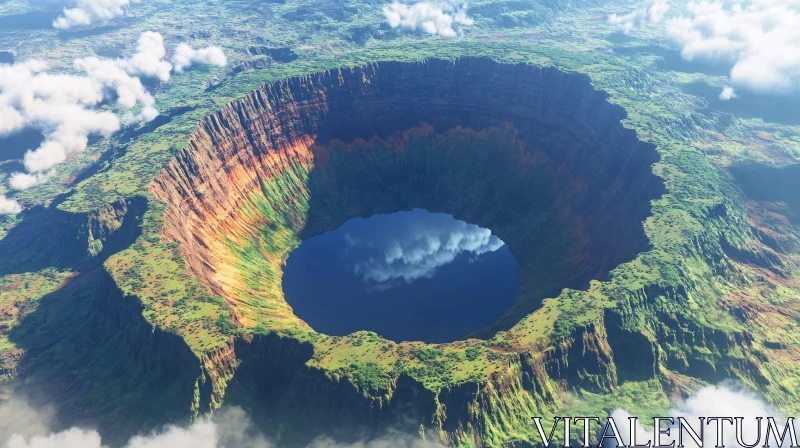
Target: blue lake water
(408, 276)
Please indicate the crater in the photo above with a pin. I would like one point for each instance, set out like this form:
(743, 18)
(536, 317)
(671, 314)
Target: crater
(535, 155)
(407, 276)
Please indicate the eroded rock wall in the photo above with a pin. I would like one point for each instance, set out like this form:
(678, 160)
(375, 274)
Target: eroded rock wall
(303, 155)
(534, 154)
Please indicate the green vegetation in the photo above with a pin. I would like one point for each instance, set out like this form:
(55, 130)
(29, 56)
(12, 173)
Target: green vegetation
(690, 300)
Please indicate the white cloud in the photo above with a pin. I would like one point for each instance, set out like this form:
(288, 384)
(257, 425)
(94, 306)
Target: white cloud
(651, 12)
(427, 17)
(67, 109)
(17, 417)
(110, 74)
(62, 107)
(87, 11)
(148, 113)
(186, 56)
(9, 206)
(759, 39)
(10, 120)
(728, 93)
(72, 438)
(202, 434)
(392, 439)
(23, 181)
(419, 249)
(710, 401)
(57, 105)
(148, 61)
(23, 427)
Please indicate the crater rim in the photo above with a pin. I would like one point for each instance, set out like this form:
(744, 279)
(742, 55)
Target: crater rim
(326, 80)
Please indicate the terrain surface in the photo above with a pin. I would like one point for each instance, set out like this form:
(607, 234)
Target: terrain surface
(656, 230)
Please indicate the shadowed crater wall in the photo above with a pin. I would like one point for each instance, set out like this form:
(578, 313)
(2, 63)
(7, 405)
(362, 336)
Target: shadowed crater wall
(534, 154)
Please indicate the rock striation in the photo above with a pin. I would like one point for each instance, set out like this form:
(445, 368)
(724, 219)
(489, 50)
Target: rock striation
(534, 154)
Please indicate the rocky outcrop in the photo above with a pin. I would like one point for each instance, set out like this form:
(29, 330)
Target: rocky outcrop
(583, 360)
(638, 357)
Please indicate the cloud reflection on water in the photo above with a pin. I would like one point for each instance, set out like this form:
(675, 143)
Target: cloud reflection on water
(415, 246)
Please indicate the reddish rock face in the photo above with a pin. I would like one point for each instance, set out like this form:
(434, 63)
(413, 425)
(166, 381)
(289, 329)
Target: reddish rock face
(534, 154)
